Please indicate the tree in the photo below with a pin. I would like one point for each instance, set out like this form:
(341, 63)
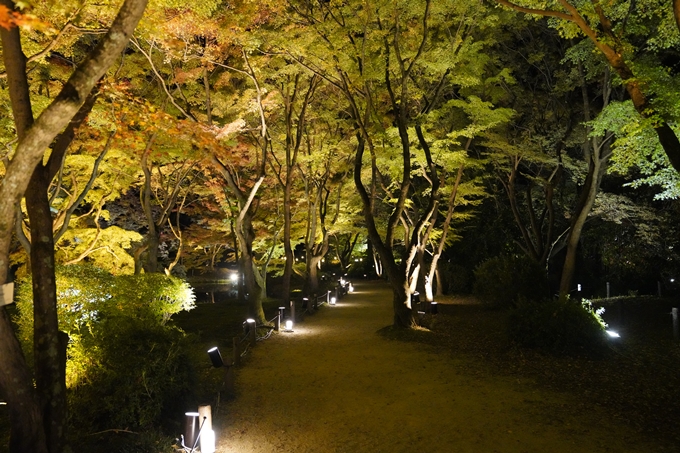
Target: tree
(617, 30)
(32, 425)
(296, 92)
(391, 61)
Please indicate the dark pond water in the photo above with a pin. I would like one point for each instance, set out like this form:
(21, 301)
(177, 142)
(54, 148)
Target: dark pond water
(212, 293)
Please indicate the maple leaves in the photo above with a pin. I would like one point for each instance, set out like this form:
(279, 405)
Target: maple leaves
(9, 19)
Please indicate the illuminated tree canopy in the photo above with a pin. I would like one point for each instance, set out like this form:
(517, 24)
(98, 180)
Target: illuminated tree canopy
(420, 135)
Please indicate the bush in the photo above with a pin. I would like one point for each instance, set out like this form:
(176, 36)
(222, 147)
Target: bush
(125, 368)
(502, 281)
(562, 327)
(138, 376)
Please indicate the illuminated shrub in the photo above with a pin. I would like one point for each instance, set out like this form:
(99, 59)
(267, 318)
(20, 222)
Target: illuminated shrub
(137, 377)
(562, 327)
(502, 281)
(125, 366)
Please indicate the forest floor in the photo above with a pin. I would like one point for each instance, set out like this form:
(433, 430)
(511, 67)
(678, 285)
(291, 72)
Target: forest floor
(342, 382)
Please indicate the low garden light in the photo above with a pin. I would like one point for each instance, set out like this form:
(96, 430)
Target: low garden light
(351, 288)
(234, 277)
(333, 300)
(215, 357)
(248, 324)
(289, 326)
(191, 430)
(208, 441)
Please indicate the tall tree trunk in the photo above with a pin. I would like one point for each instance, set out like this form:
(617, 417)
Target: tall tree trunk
(152, 240)
(429, 280)
(49, 349)
(579, 218)
(49, 343)
(597, 153)
(288, 249)
(401, 293)
(27, 428)
(245, 236)
(27, 433)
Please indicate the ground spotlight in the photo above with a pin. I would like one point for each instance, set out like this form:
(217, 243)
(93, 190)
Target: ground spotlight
(208, 441)
(215, 357)
(191, 429)
(289, 326)
(613, 334)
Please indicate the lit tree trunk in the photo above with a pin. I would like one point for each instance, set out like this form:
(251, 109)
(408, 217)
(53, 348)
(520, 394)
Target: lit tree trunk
(315, 251)
(433, 271)
(49, 343)
(294, 135)
(245, 236)
(49, 351)
(597, 154)
(26, 415)
(28, 433)
(166, 199)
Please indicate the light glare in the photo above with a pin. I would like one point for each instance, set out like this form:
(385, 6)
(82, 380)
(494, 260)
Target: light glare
(208, 441)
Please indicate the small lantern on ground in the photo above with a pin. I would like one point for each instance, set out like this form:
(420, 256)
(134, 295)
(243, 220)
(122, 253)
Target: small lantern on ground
(289, 325)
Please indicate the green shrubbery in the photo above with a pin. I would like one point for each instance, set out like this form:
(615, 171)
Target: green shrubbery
(502, 281)
(126, 368)
(558, 326)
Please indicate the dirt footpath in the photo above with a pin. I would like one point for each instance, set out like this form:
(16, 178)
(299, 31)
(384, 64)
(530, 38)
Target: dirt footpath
(334, 385)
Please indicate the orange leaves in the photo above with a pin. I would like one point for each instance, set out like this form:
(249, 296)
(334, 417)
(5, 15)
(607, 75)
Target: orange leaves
(181, 76)
(9, 19)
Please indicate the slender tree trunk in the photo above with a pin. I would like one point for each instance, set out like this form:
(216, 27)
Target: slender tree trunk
(253, 288)
(580, 216)
(49, 343)
(597, 155)
(288, 249)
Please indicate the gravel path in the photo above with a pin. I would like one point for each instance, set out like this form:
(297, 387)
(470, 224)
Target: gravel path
(334, 385)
